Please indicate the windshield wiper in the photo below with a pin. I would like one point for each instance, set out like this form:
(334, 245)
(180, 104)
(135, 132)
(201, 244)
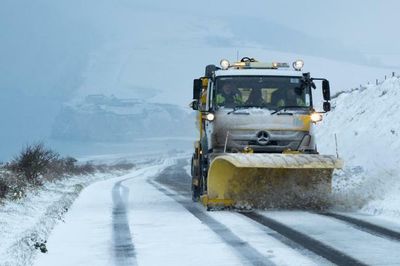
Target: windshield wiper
(237, 107)
(287, 107)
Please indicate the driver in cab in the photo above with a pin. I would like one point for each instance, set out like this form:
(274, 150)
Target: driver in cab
(229, 96)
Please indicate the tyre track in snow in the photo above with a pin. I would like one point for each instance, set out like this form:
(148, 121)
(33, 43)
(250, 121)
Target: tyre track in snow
(365, 226)
(249, 254)
(315, 246)
(175, 178)
(123, 248)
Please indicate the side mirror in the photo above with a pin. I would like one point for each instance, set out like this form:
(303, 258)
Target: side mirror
(327, 106)
(326, 92)
(210, 70)
(197, 86)
(194, 104)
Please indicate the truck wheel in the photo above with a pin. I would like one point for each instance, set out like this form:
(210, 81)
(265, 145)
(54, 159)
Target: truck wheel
(195, 188)
(195, 193)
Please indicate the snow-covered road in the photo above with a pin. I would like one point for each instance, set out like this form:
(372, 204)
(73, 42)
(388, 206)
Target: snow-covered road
(147, 218)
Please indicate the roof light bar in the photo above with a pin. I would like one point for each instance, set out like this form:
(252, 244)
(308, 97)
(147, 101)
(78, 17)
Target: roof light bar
(225, 64)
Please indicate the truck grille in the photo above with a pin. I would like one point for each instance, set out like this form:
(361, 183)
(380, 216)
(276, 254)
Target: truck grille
(278, 141)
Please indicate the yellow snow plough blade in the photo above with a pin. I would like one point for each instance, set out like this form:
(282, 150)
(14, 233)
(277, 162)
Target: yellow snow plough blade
(268, 180)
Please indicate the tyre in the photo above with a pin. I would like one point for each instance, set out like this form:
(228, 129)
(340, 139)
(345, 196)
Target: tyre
(195, 188)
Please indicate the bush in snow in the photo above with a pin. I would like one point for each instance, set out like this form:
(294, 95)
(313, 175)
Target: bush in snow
(34, 161)
(10, 185)
(59, 167)
(36, 164)
(3, 188)
(70, 165)
(122, 166)
(85, 169)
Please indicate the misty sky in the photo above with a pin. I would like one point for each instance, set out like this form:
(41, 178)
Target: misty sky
(54, 52)
(365, 27)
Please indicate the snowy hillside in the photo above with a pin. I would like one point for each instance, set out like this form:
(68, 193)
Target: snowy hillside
(101, 118)
(367, 127)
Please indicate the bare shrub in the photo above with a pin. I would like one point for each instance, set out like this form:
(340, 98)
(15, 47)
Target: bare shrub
(87, 168)
(102, 168)
(32, 162)
(122, 166)
(4, 188)
(60, 167)
(70, 165)
(36, 164)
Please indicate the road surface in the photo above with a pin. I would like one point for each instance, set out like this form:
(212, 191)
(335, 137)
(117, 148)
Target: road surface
(147, 218)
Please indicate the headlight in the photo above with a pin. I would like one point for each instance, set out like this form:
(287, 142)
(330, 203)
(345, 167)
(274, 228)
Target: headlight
(298, 65)
(316, 117)
(224, 64)
(210, 116)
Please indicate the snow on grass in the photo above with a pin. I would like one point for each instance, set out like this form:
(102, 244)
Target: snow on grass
(28, 222)
(365, 122)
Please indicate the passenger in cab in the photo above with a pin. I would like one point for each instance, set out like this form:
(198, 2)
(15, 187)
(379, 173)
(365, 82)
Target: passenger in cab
(289, 97)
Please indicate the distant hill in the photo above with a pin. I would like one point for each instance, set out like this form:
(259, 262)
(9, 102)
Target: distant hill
(103, 118)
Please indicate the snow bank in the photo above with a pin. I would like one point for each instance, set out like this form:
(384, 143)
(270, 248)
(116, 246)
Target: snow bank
(367, 128)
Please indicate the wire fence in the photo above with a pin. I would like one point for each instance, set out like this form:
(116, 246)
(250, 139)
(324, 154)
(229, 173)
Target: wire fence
(363, 87)
(379, 82)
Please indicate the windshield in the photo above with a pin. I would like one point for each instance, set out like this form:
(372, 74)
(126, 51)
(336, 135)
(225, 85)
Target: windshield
(260, 91)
